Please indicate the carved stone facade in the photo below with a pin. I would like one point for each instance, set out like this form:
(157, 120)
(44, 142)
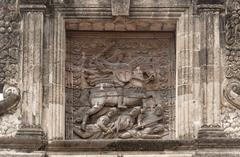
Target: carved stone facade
(126, 71)
(120, 78)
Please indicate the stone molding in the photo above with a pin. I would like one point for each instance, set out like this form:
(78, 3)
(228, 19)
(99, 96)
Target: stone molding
(32, 2)
(210, 5)
(33, 8)
(210, 2)
(32, 144)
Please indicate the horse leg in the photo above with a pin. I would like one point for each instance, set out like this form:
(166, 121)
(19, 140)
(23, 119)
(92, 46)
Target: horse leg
(120, 98)
(96, 108)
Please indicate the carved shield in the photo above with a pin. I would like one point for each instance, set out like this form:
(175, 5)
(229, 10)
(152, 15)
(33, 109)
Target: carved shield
(123, 75)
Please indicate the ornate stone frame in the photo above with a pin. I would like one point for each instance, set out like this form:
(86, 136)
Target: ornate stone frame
(46, 25)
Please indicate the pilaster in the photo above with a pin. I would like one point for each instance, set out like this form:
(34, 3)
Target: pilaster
(54, 76)
(210, 59)
(31, 67)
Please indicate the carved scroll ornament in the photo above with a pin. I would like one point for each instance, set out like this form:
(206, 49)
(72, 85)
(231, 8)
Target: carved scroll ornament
(11, 97)
(231, 91)
(231, 116)
(9, 51)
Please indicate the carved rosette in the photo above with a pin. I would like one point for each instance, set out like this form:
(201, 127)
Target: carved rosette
(232, 56)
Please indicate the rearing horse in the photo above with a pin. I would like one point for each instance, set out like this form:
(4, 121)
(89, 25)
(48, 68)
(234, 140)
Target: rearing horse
(106, 95)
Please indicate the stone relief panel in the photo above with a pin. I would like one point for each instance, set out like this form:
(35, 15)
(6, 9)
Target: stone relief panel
(9, 55)
(120, 85)
(231, 115)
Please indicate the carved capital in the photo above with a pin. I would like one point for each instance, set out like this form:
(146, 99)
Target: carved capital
(210, 5)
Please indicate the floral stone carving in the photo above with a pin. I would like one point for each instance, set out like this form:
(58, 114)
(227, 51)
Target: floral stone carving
(231, 91)
(9, 55)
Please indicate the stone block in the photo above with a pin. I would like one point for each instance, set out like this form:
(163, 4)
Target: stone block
(120, 27)
(156, 27)
(98, 26)
(131, 26)
(143, 26)
(85, 26)
(109, 26)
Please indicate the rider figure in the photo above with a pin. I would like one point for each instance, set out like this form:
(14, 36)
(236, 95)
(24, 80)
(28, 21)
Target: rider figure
(137, 81)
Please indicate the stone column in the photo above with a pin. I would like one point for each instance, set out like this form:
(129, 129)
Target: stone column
(210, 62)
(31, 66)
(210, 59)
(54, 76)
(187, 83)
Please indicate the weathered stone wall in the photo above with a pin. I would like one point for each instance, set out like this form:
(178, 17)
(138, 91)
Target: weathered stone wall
(32, 58)
(10, 119)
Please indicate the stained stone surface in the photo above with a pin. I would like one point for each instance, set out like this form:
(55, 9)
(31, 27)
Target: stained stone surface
(10, 123)
(116, 77)
(9, 59)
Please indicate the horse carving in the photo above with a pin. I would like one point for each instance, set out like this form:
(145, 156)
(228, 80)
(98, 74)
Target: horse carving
(113, 94)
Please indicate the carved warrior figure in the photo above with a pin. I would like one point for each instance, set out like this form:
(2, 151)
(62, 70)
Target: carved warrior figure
(111, 81)
(137, 122)
(97, 130)
(125, 88)
(126, 121)
(148, 125)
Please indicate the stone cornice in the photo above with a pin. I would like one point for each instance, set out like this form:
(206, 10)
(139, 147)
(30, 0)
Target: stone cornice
(210, 2)
(210, 5)
(43, 2)
(33, 8)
